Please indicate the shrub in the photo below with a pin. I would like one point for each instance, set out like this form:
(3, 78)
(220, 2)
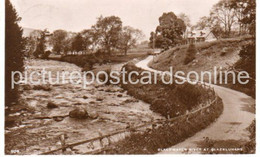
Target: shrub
(190, 54)
(88, 66)
(222, 54)
(46, 55)
(168, 100)
(167, 134)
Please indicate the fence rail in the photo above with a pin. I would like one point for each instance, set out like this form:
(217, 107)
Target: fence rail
(132, 129)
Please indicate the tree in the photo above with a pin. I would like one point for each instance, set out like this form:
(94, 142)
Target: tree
(246, 13)
(152, 40)
(14, 55)
(203, 23)
(32, 42)
(41, 46)
(224, 14)
(108, 31)
(90, 39)
(129, 37)
(58, 40)
(78, 43)
(169, 31)
(185, 18)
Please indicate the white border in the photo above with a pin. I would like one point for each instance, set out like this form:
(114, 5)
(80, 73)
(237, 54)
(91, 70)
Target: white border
(2, 77)
(2, 15)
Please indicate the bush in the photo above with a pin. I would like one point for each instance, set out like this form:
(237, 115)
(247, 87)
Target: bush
(87, 67)
(167, 134)
(168, 100)
(46, 55)
(222, 54)
(190, 54)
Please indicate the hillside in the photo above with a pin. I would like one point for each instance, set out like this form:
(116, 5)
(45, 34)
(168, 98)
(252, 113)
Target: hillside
(220, 53)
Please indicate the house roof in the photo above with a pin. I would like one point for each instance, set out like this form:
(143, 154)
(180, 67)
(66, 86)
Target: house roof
(198, 33)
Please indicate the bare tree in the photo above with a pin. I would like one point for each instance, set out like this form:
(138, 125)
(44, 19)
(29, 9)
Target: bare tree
(224, 14)
(203, 23)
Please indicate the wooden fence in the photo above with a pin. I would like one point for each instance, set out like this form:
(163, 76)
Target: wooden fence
(141, 128)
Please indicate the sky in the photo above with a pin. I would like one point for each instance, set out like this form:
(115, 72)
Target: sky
(76, 15)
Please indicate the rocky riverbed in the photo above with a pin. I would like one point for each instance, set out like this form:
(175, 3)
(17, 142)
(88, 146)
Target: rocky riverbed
(46, 118)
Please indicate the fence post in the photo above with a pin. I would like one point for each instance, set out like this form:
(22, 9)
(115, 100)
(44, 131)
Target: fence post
(63, 142)
(100, 140)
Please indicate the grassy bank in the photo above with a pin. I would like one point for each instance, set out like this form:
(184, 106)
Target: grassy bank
(101, 58)
(221, 53)
(168, 134)
(170, 100)
(208, 55)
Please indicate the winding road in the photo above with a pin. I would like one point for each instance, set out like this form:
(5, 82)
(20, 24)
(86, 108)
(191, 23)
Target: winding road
(230, 126)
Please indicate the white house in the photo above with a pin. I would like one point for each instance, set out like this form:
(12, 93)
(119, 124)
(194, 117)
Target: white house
(200, 36)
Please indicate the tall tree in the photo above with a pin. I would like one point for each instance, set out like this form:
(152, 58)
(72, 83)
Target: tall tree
(108, 31)
(169, 31)
(14, 46)
(41, 46)
(58, 40)
(185, 18)
(245, 13)
(129, 37)
(224, 14)
(32, 42)
(78, 43)
(90, 39)
(203, 23)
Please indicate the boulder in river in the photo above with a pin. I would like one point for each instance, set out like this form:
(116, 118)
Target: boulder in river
(119, 95)
(85, 97)
(42, 87)
(79, 113)
(51, 105)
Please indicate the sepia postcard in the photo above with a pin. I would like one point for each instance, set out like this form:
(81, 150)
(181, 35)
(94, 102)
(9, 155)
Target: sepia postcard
(129, 77)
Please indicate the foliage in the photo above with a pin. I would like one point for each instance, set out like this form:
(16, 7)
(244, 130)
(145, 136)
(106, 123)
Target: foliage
(128, 38)
(190, 54)
(170, 100)
(32, 42)
(46, 55)
(90, 39)
(108, 31)
(41, 46)
(78, 43)
(14, 54)
(203, 23)
(166, 134)
(169, 32)
(228, 15)
(246, 13)
(58, 40)
(247, 63)
(185, 18)
(224, 14)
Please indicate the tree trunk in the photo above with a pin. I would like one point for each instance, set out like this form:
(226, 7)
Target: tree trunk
(125, 51)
